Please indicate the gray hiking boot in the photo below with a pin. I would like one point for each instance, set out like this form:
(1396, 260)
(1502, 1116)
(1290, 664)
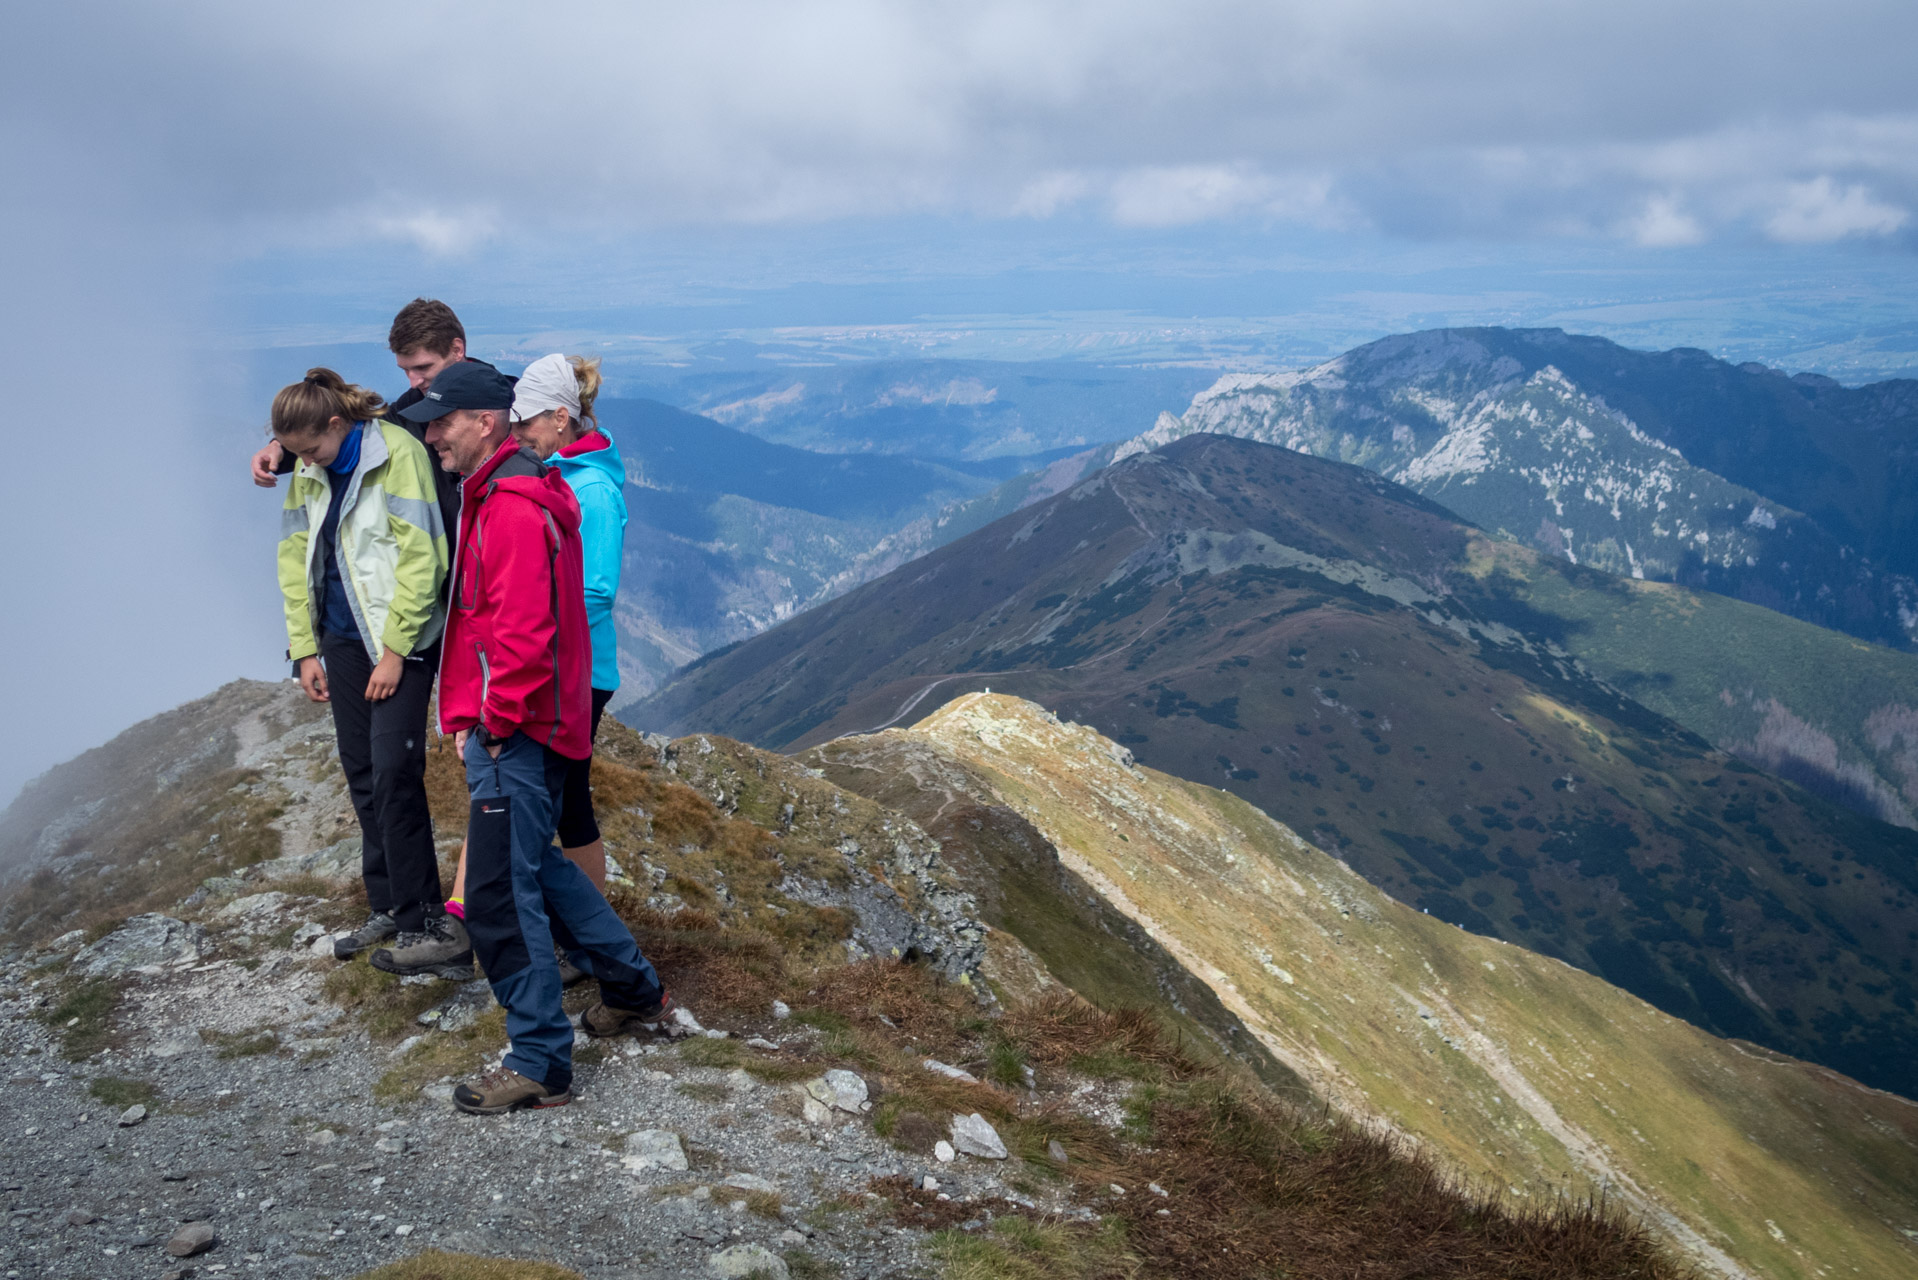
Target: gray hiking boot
(378, 928)
(441, 949)
(569, 973)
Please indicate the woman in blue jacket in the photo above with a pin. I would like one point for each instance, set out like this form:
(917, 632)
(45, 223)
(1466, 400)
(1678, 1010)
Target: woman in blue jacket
(553, 416)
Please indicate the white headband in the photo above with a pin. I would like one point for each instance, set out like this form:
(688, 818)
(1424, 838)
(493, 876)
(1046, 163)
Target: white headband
(548, 383)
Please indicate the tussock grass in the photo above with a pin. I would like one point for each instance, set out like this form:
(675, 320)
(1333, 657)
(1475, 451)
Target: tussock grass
(149, 858)
(435, 1265)
(1260, 1187)
(802, 1265)
(124, 1091)
(388, 1008)
(87, 1004)
(240, 1044)
(1018, 1248)
(444, 1053)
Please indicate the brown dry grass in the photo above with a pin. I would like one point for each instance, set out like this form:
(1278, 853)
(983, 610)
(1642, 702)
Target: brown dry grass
(158, 854)
(1256, 1187)
(435, 1265)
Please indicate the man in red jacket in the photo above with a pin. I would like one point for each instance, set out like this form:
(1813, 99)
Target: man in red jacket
(515, 668)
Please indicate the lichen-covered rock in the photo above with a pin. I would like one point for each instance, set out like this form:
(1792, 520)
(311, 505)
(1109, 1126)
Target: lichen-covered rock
(144, 940)
(743, 1260)
(654, 1149)
(841, 1090)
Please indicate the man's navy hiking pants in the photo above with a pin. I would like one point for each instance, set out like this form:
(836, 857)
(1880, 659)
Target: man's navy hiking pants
(523, 895)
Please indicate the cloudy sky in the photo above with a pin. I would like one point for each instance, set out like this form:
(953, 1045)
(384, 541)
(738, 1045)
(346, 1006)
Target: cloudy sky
(208, 175)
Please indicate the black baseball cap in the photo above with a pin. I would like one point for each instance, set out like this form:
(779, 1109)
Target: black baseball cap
(470, 384)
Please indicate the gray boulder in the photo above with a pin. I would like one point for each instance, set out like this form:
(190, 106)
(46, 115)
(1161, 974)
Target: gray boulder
(144, 940)
(747, 1259)
(194, 1237)
(654, 1149)
(975, 1136)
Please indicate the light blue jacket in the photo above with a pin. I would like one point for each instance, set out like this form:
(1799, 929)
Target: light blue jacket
(593, 468)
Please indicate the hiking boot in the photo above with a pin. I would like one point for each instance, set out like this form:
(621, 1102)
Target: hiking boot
(603, 1020)
(378, 928)
(570, 974)
(503, 1089)
(441, 949)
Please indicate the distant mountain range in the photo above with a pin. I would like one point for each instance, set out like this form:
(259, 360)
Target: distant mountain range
(945, 409)
(1347, 656)
(1796, 493)
(733, 534)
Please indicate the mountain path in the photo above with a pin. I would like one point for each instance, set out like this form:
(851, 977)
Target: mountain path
(278, 1143)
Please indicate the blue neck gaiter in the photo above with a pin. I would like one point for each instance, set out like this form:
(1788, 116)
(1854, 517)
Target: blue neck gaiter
(349, 455)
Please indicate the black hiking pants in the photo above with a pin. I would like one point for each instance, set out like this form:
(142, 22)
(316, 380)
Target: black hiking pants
(383, 751)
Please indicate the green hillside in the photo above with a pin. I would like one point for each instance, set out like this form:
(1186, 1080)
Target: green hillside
(1834, 714)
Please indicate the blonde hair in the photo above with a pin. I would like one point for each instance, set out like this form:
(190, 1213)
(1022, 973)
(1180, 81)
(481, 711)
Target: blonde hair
(586, 371)
(305, 407)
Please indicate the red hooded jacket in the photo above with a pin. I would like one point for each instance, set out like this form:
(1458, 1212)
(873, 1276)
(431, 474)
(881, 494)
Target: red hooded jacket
(517, 654)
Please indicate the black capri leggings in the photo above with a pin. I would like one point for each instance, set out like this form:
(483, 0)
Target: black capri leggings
(577, 825)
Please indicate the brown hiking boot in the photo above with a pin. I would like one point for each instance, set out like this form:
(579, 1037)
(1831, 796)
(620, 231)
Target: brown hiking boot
(503, 1089)
(603, 1020)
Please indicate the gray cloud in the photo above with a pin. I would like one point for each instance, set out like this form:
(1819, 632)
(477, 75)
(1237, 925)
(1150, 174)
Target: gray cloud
(1636, 121)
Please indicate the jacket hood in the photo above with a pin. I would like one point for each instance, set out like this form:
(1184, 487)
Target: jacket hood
(515, 471)
(592, 453)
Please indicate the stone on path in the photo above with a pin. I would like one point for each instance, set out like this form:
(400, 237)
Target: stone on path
(747, 1259)
(950, 1072)
(194, 1237)
(80, 1218)
(654, 1149)
(815, 1111)
(132, 1115)
(975, 1136)
(841, 1090)
(145, 940)
(942, 1152)
(751, 1182)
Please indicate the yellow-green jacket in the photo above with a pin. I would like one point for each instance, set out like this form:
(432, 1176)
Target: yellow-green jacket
(392, 543)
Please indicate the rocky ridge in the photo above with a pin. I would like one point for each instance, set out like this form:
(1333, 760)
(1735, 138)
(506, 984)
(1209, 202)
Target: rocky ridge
(1521, 1070)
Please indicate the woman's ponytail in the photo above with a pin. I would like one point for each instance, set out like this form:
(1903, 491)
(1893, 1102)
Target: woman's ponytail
(304, 408)
(586, 372)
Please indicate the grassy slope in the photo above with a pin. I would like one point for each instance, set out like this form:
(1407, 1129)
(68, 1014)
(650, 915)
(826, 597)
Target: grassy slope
(1026, 892)
(1717, 666)
(1520, 1070)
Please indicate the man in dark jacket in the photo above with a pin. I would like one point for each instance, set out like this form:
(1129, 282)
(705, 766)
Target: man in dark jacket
(515, 688)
